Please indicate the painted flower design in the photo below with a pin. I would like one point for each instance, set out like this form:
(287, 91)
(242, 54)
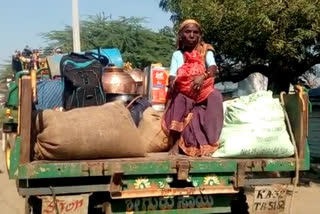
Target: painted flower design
(142, 183)
(161, 184)
(195, 183)
(169, 179)
(211, 180)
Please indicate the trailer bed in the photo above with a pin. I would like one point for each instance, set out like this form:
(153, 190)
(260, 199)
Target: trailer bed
(152, 164)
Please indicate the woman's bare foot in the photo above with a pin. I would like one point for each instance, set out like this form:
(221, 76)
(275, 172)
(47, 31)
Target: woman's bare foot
(174, 150)
(174, 141)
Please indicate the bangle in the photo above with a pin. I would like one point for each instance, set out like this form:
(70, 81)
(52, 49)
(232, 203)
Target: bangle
(206, 75)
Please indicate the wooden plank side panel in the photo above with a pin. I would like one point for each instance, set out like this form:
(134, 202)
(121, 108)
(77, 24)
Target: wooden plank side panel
(314, 119)
(314, 140)
(315, 116)
(314, 132)
(315, 113)
(25, 108)
(298, 120)
(314, 124)
(314, 145)
(315, 149)
(315, 153)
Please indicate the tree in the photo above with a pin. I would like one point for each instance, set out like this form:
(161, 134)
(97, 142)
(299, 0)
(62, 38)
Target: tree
(279, 38)
(137, 44)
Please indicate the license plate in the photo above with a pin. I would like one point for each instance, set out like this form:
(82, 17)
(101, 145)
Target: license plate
(75, 204)
(269, 199)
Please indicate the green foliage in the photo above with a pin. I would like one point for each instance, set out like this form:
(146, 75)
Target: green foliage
(139, 45)
(254, 30)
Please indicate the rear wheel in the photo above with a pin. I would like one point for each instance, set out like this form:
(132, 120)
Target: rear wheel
(32, 205)
(239, 205)
(6, 149)
(27, 207)
(8, 144)
(7, 156)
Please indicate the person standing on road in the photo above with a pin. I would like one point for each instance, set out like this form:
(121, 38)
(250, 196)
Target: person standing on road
(16, 63)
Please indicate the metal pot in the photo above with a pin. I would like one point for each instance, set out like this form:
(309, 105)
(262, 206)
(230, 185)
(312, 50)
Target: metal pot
(136, 74)
(116, 81)
(139, 78)
(126, 98)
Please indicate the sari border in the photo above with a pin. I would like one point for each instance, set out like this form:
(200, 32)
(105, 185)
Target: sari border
(176, 125)
(196, 152)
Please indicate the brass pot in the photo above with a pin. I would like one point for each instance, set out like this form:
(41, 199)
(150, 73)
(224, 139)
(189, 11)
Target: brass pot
(136, 74)
(116, 81)
(139, 78)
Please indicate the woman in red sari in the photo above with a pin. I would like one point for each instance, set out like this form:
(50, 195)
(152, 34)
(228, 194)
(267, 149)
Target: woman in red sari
(194, 113)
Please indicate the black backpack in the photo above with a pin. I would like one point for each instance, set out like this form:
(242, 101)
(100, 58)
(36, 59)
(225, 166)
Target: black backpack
(81, 74)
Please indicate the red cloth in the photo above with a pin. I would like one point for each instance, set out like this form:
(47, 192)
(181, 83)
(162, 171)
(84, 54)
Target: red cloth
(193, 66)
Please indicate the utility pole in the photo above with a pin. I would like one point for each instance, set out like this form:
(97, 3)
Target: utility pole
(75, 26)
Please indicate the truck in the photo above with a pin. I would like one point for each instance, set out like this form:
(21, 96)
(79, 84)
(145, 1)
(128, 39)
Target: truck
(157, 183)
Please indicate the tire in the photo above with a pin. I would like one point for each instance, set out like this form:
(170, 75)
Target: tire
(7, 156)
(3, 143)
(32, 205)
(239, 205)
(107, 208)
(27, 207)
(8, 142)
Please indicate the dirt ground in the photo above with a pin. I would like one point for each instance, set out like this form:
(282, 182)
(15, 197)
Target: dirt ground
(10, 201)
(306, 199)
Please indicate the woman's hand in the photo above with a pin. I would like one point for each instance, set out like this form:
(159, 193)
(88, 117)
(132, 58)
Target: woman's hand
(198, 82)
(171, 83)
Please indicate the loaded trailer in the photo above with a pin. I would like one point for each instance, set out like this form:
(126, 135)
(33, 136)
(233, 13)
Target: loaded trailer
(157, 183)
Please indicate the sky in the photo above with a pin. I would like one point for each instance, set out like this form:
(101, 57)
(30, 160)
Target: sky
(22, 21)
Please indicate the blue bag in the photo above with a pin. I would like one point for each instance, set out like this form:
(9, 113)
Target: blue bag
(50, 94)
(112, 54)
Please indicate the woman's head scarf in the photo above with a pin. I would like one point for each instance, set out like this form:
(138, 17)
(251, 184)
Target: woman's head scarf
(188, 22)
(202, 47)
